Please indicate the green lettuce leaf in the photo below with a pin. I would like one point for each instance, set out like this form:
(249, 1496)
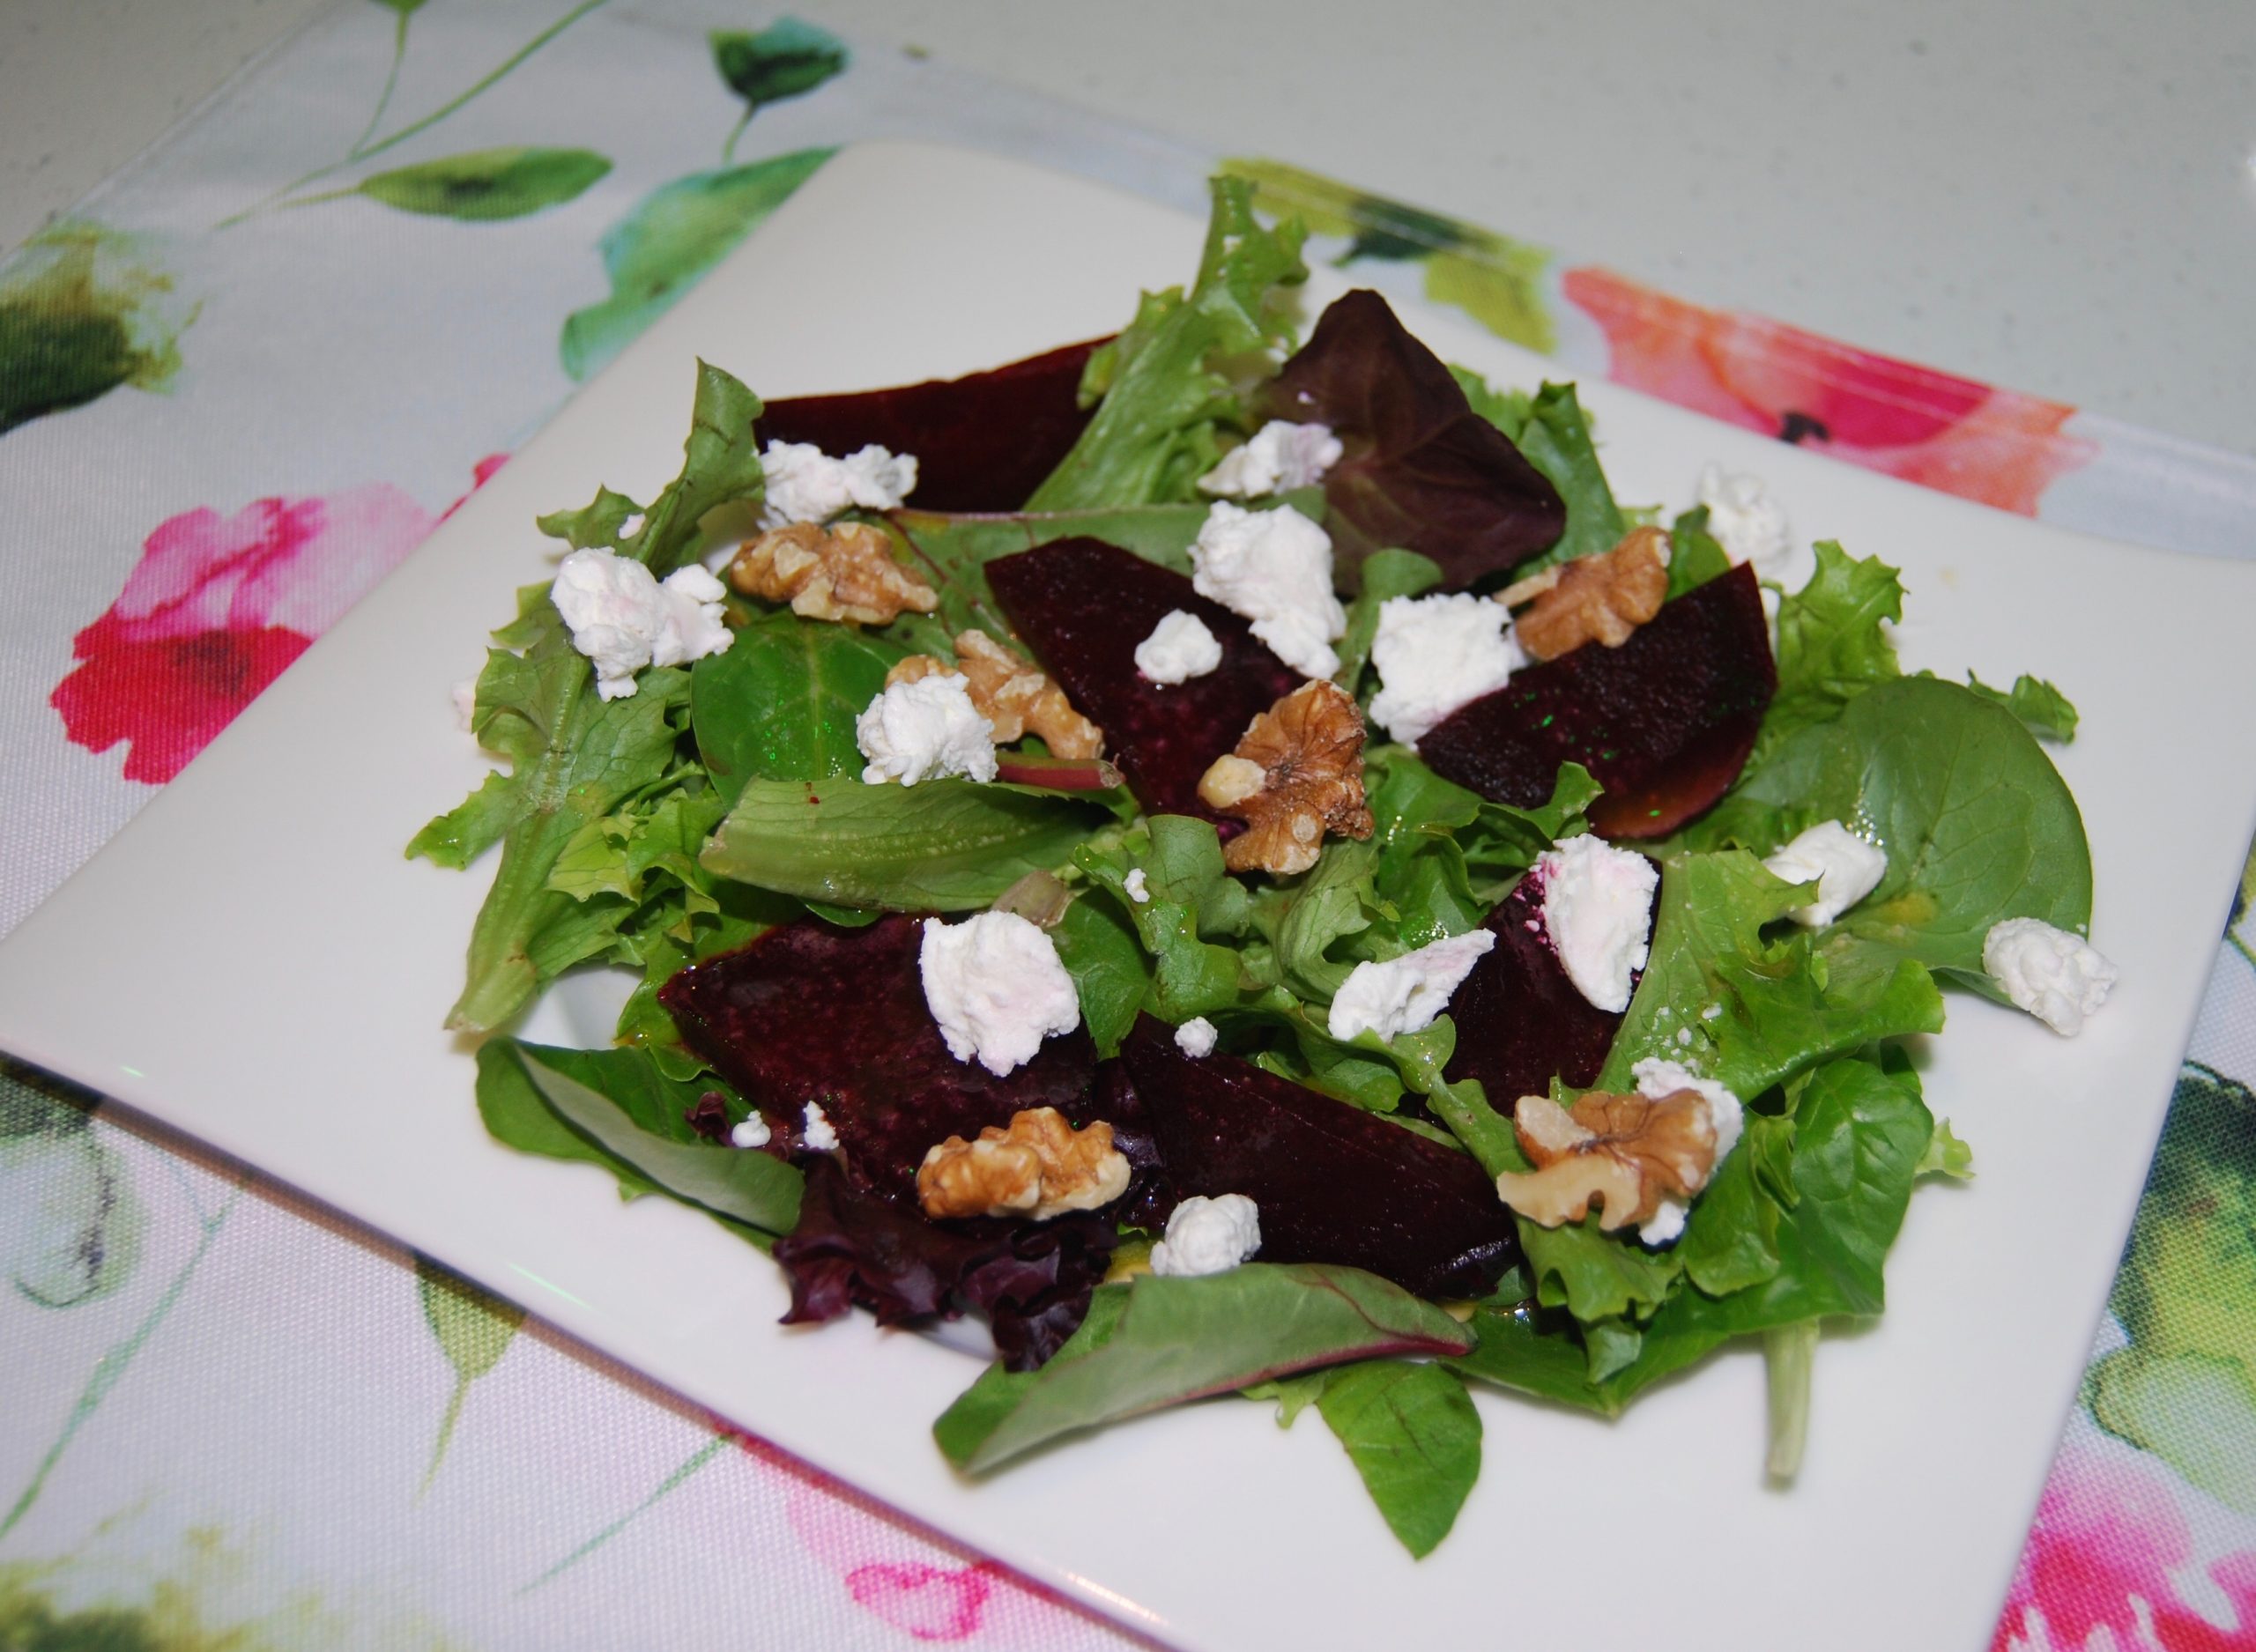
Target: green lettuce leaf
(1832, 645)
(1166, 380)
(2043, 708)
(1555, 438)
(1696, 557)
(781, 702)
(1413, 1434)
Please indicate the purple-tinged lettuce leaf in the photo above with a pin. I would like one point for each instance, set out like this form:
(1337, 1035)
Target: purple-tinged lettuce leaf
(1162, 1341)
(1422, 471)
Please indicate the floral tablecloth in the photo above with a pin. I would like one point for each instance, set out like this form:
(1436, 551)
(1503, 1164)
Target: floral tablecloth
(247, 376)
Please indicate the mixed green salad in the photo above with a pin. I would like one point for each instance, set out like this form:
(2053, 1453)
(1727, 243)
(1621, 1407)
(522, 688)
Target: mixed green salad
(719, 805)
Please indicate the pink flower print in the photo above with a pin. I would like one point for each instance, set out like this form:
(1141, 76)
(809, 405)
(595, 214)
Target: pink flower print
(216, 609)
(2108, 1548)
(924, 1601)
(1996, 447)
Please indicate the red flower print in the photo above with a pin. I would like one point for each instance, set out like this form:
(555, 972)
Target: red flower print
(924, 1601)
(1995, 447)
(2108, 1548)
(217, 608)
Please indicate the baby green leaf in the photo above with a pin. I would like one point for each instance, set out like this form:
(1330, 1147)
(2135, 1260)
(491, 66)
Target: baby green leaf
(1413, 1434)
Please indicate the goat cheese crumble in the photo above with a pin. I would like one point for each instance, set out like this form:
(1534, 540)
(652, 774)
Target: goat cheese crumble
(1404, 994)
(2058, 977)
(1745, 519)
(1656, 1078)
(817, 1135)
(1208, 1235)
(623, 620)
(804, 484)
(1598, 911)
(1274, 567)
(1136, 884)
(1179, 648)
(996, 988)
(1196, 1037)
(1435, 654)
(925, 728)
(751, 1131)
(1845, 868)
(1280, 455)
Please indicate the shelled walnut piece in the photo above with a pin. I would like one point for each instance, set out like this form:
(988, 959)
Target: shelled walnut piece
(1601, 599)
(845, 572)
(1040, 1167)
(1627, 1152)
(1013, 693)
(1296, 774)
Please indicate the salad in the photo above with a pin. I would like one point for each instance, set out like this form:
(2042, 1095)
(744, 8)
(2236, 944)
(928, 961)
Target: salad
(1238, 861)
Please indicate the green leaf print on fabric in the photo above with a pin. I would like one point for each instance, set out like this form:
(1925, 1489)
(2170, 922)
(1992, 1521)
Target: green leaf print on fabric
(2185, 1388)
(1497, 281)
(674, 235)
(84, 309)
(405, 8)
(482, 186)
(70, 1225)
(788, 59)
(473, 1327)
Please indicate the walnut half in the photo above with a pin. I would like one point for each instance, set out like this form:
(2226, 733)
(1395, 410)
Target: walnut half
(1629, 1152)
(1013, 693)
(846, 572)
(1298, 775)
(1040, 1167)
(1601, 599)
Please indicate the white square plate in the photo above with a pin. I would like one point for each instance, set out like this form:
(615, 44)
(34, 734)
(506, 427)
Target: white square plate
(253, 960)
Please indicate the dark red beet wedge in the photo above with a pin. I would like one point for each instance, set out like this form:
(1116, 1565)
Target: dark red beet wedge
(1664, 722)
(984, 443)
(1520, 1021)
(813, 1012)
(1082, 606)
(1334, 1183)
(1421, 470)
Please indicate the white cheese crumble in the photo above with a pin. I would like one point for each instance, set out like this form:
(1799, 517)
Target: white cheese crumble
(1280, 455)
(1598, 911)
(804, 484)
(624, 619)
(996, 988)
(1274, 567)
(1179, 648)
(1208, 1236)
(1435, 654)
(922, 729)
(2058, 977)
(1845, 868)
(1196, 1038)
(1656, 1078)
(1745, 519)
(1404, 994)
(1137, 886)
(816, 1134)
(752, 1131)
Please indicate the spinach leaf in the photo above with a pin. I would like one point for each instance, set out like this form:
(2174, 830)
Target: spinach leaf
(616, 1109)
(1101, 953)
(942, 846)
(1165, 1340)
(781, 702)
(1413, 1434)
(1978, 825)
(1166, 380)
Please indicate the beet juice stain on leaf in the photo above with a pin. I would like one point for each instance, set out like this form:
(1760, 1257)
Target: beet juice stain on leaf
(1422, 471)
(84, 309)
(674, 235)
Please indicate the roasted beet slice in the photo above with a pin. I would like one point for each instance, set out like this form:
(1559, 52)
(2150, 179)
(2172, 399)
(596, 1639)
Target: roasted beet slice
(1421, 470)
(1664, 722)
(1334, 1183)
(813, 1012)
(1031, 1279)
(1082, 606)
(984, 443)
(1520, 1021)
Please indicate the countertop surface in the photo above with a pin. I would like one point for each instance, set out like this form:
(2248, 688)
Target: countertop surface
(2057, 198)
